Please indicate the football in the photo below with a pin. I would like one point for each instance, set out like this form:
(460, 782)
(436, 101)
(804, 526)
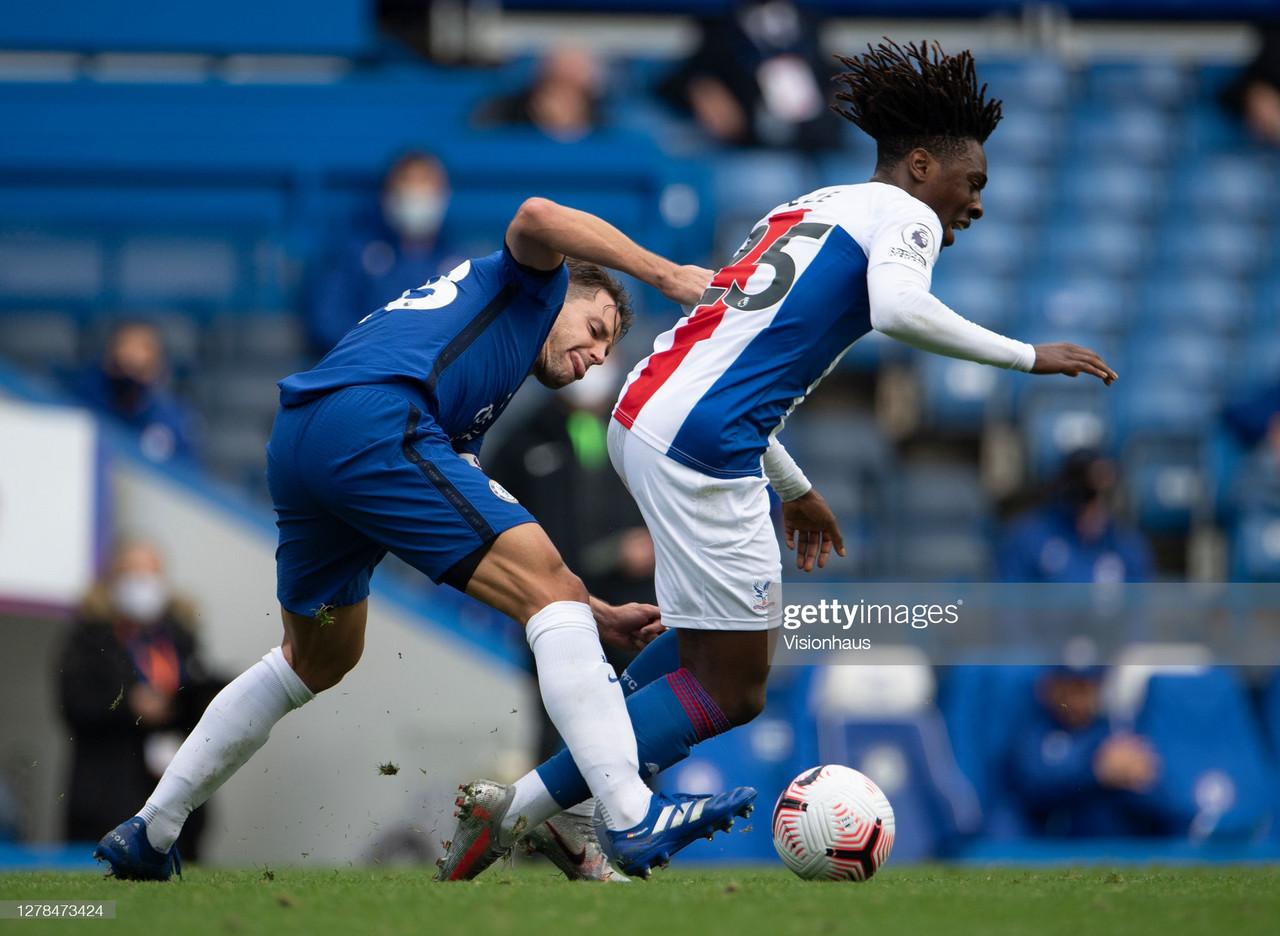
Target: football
(833, 823)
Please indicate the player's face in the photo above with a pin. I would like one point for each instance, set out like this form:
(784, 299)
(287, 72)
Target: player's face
(581, 337)
(954, 190)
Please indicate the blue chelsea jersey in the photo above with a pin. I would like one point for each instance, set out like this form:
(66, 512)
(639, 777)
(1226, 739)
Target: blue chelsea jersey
(465, 342)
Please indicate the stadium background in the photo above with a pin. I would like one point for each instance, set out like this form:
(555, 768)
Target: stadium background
(184, 165)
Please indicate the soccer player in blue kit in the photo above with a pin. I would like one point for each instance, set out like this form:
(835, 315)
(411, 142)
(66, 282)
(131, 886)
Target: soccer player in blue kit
(374, 450)
(694, 433)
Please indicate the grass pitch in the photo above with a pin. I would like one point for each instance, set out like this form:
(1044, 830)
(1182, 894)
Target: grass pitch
(532, 900)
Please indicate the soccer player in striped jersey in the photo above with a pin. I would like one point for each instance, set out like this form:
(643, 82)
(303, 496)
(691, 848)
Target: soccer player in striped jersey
(694, 433)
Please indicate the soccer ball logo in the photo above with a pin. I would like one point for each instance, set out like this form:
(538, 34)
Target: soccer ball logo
(833, 823)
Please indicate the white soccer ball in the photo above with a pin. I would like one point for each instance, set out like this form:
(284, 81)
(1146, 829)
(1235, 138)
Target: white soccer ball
(833, 823)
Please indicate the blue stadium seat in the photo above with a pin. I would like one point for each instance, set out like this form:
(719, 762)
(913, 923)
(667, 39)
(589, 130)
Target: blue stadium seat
(1025, 137)
(1255, 546)
(1016, 193)
(968, 696)
(1207, 130)
(237, 453)
(1159, 82)
(1143, 134)
(917, 554)
(48, 267)
(1227, 247)
(1266, 320)
(1271, 713)
(1181, 357)
(1110, 246)
(1167, 485)
(43, 342)
(1216, 778)
(940, 495)
(1259, 361)
(271, 339)
(243, 394)
(1056, 421)
(994, 246)
(939, 526)
(1230, 187)
(1028, 83)
(991, 301)
(1092, 302)
(1151, 405)
(749, 183)
(1198, 302)
(1104, 188)
(960, 396)
(179, 269)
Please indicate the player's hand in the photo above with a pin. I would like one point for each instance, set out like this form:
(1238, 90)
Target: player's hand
(686, 284)
(629, 626)
(809, 522)
(1126, 762)
(1063, 357)
(150, 706)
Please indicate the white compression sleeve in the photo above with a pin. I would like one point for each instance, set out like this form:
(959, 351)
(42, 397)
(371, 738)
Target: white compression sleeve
(904, 309)
(783, 473)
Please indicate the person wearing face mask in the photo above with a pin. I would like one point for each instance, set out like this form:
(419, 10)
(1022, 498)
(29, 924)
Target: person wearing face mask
(130, 384)
(132, 685)
(396, 248)
(1074, 535)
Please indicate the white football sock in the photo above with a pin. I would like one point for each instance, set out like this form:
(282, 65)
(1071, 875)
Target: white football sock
(585, 702)
(237, 722)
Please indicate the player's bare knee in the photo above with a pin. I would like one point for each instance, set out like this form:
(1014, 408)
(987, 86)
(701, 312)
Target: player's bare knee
(744, 706)
(324, 669)
(560, 584)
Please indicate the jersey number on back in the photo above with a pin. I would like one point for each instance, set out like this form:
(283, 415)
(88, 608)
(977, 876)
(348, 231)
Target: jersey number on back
(763, 248)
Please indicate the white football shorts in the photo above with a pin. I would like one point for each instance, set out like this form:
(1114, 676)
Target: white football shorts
(719, 566)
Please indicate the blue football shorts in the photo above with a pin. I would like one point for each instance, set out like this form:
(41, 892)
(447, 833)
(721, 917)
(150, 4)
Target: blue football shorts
(364, 471)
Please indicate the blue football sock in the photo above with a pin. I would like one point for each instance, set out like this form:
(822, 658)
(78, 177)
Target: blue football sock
(670, 716)
(660, 657)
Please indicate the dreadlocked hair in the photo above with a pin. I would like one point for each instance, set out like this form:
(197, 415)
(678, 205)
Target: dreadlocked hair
(917, 96)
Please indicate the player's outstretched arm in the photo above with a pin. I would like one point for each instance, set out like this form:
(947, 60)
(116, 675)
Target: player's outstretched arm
(543, 233)
(810, 528)
(1062, 357)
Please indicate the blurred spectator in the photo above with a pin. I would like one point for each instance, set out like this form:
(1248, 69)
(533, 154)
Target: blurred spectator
(1255, 96)
(394, 249)
(1253, 417)
(563, 101)
(131, 383)
(758, 78)
(132, 685)
(1075, 535)
(1070, 773)
(557, 465)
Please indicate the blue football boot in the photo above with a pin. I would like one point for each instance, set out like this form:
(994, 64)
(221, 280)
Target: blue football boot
(673, 821)
(131, 856)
